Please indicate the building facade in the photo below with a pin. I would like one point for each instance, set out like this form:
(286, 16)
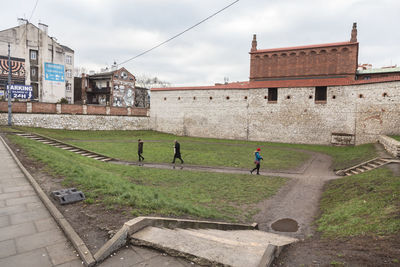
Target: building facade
(307, 94)
(37, 60)
(113, 88)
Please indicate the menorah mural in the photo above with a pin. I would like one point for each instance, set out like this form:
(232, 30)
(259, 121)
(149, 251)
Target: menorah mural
(17, 71)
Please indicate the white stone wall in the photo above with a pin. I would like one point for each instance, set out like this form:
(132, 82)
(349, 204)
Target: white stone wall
(297, 119)
(78, 122)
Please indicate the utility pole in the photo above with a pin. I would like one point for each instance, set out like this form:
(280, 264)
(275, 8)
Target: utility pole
(9, 87)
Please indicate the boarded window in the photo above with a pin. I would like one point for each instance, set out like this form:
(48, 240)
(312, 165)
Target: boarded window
(272, 94)
(320, 93)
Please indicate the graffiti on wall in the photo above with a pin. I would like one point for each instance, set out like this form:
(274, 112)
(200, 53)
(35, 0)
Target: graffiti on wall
(124, 94)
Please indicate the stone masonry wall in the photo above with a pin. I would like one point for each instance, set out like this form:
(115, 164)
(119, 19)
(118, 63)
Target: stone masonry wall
(78, 122)
(365, 110)
(391, 145)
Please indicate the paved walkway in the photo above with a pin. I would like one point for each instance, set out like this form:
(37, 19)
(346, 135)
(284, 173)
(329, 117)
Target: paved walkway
(29, 236)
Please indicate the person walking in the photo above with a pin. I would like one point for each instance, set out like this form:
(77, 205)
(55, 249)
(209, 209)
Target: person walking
(140, 150)
(177, 152)
(257, 161)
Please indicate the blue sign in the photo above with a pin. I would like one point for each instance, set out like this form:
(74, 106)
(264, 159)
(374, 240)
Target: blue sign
(54, 72)
(21, 91)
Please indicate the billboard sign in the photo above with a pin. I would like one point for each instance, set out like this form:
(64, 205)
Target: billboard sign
(17, 71)
(54, 72)
(21, 91)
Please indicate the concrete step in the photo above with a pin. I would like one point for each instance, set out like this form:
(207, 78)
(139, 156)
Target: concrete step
(92, 156)
(360, 169)
(211, 247)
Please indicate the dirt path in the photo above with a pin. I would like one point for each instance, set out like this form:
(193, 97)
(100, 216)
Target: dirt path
(299, 199)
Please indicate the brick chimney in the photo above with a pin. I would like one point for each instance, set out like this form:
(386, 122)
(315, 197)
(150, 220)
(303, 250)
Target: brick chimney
(354, 33)
(254, 44)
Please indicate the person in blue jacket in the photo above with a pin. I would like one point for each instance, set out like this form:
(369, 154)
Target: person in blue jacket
(257, 161)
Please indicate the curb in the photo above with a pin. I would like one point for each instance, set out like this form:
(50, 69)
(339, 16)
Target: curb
(73, 237)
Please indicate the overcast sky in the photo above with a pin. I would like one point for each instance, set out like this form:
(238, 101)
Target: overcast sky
(101, 31)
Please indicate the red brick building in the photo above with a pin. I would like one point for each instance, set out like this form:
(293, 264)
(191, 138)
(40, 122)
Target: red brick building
(334, 60)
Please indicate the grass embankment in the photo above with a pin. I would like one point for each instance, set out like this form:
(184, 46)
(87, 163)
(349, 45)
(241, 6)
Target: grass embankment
(397, 137)
(206, 151)
(342, 156)
(144, 191)
(364, 204)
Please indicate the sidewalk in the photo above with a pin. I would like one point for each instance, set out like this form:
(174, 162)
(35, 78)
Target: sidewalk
(29, 236)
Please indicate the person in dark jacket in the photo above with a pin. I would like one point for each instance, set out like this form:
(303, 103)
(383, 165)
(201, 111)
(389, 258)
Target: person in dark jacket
(257, 161)
(140, 150)
(177, 152)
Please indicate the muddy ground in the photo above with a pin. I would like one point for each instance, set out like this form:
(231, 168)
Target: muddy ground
(94, 224)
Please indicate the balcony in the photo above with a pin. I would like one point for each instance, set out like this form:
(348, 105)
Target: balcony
(99, 90)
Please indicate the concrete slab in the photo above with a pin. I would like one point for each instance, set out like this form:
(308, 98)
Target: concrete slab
(27, 193)
(75, 263)
(9, 195)
(163, 261)
(39, 240)
(4, 221)
(22, 200)
(34, 206)
(7, 248)
(123, 258)
(18, 230)
(35, 258)
(17, 188)
(29, 216)
(61, 253)
(235, 248)
(46, 225)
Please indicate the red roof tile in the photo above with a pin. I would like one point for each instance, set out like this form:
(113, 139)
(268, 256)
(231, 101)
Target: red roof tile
(284, 84)
(302, 47)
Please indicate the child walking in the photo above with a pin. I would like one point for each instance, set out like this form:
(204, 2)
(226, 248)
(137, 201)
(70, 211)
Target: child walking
(257, 161)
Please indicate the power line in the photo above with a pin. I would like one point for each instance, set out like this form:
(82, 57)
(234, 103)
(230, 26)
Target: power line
(27, 21)
(179, 34)
(33, 10)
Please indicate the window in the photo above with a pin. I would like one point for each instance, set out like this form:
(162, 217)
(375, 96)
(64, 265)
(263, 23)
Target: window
(33, 72)
(272, 94)
(68, 87)
(69, 100)
(33, 55)
(68, 73)
(68, 59)
(320, 94)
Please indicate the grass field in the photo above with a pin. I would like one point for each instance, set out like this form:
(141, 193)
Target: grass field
(364, 204)
(205, 151)
(145, 191)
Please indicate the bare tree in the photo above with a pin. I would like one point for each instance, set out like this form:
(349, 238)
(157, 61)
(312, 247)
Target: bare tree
(150, 82)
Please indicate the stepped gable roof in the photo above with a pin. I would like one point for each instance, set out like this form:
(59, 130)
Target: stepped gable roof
(284, 83)
(303, 47)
